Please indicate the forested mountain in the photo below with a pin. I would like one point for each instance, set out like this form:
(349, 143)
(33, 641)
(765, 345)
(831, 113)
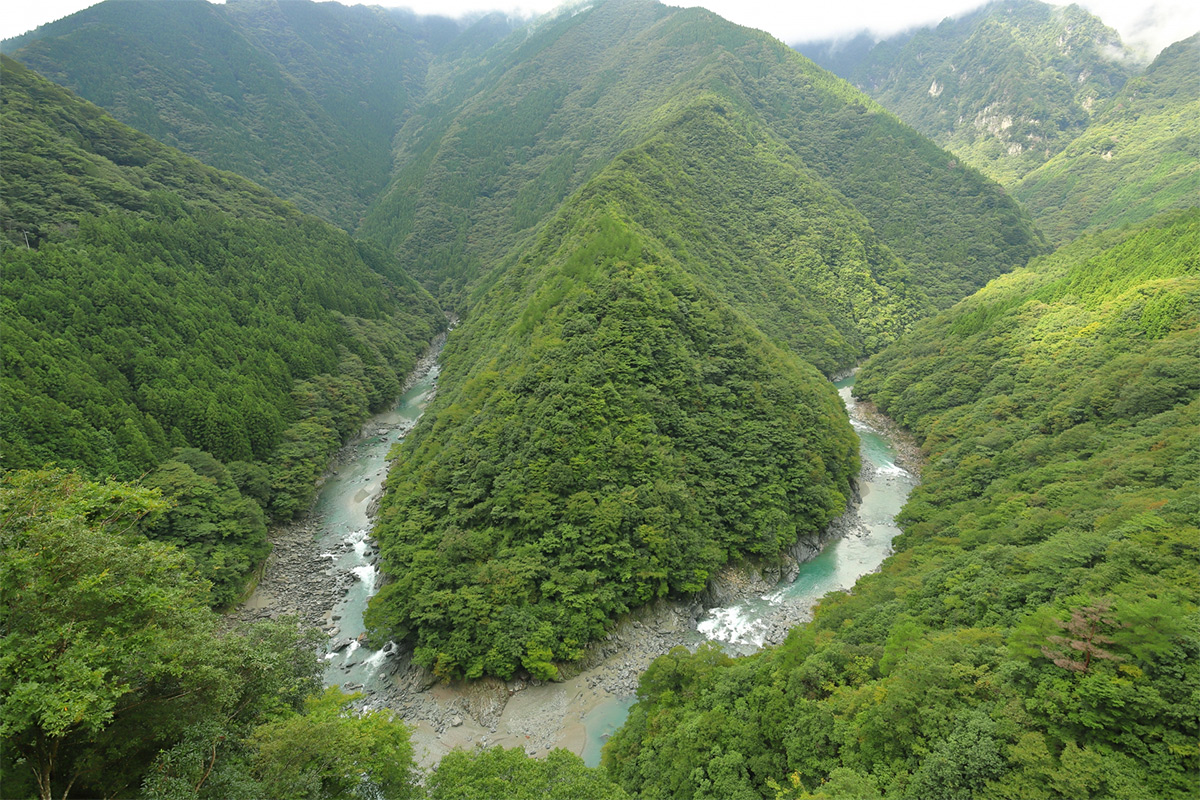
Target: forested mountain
(302, 98)
(609, 431)
(616, 418)
(664, 233)
(158, 313)
(475, 177)
(628, 147)
(310, 99)
(1139, 156)
(1035, 634)
(1005, 87)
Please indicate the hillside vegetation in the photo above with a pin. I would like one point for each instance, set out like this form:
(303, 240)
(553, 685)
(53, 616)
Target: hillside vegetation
(608, 432)
(1005, 87)
(630, 404)
(664, 234)
(483, 165)
(303, 98)
(1139, 156)
(159, 315)
(119, 681)
(1035, 634)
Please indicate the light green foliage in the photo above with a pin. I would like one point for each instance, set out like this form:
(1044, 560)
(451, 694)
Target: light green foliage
(331, 752)
(1005, 87)
(512, 775)
(1035, 634)
(1139, 156)
(109, 651)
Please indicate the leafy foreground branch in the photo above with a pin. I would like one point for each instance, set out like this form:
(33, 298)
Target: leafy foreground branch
(118, 680)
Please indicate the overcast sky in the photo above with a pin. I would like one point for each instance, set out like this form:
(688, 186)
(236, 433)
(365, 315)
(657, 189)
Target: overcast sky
(1149, 25)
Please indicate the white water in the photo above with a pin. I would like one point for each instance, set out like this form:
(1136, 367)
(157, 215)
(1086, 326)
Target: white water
(342, 508)
(743, 628)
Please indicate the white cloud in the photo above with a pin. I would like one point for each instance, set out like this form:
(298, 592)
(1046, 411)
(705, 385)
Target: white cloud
(1148, 24)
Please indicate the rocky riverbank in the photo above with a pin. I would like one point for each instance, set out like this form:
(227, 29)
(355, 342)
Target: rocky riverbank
(299, 578)
(527, 713)
(532, 714)
(540, 716)
(908, 452)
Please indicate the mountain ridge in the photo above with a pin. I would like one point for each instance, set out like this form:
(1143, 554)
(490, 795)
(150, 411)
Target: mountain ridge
(1006, 86)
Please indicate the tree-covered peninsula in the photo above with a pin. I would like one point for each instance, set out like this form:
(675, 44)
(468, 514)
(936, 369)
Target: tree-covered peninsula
(630, 403)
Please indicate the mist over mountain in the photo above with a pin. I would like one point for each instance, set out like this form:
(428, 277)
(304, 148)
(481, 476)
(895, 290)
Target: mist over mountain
(1005, 87)
(1139, 155)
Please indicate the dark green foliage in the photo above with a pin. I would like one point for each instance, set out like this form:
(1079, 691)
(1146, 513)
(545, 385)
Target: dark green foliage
(1139, 156)
(1005, 87)
(1056, 519)
(162, 305)
(187, 314)
(303, 98)
(65, 160)
(607, 432)
(741, 213)
(492, 154)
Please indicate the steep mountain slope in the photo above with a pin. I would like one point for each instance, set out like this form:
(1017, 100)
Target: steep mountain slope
(1035, 634)
(1139, 156)
(609, 431)
(156, 311)
(301, 97)
(549, 108)
(659, 222)
(612, 424)
(309, 99)
(1005, 87)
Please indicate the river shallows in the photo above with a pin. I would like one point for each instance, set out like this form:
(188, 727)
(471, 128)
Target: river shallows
(743, 628)
(342, 507)
(884, 488)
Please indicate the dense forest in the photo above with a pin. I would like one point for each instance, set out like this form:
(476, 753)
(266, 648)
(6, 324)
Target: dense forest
(664, 234)
(475, 179)
(1047, 101)
(630, 403)
(302, 98)
(129, 685)
(620, 436)
(164, 320)
(1035, 634)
